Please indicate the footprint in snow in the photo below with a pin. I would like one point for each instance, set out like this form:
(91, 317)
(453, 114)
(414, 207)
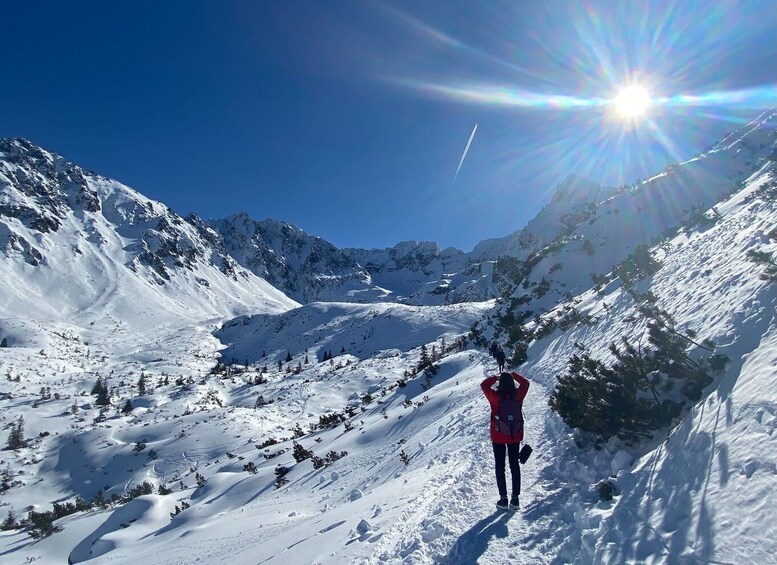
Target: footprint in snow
(749, 468)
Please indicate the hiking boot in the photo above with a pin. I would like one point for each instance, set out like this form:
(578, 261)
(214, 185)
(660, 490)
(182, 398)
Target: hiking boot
(514, 503)
(502, 504)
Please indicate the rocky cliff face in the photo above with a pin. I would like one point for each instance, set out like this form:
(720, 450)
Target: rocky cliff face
(305, 267)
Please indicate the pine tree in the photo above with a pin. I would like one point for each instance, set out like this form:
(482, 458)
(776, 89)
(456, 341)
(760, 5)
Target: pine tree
(16, 436)
(10, 522)
(103, 396)
(127, 408)
(4, 343)
(6, 479)
(98, 386)
(288, 356)
(142, 385)
(99, 500)
(424, 362)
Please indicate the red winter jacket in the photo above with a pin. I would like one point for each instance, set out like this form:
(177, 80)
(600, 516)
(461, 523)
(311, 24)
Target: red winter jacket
(493, 399)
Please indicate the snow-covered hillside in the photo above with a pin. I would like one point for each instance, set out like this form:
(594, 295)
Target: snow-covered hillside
(370, 458)
(360, 330)
(704, 493)
(597, 237)
(79, 247)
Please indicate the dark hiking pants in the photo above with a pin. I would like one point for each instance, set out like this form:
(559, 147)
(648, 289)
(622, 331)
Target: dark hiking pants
(512, 449)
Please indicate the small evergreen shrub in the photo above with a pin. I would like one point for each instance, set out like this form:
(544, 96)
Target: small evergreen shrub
(280, 476)
(297, 432)
(127, 408)
(637, 266)
(300, 453)
(767, 261)
(10, 522)
(41, 524)
(250, 467)
(638, 393)
(179, 509)
(16, 436)
(329, 420)
(267, 443)
(139, 490)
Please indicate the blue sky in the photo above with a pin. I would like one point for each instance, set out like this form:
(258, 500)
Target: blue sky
(349, 119)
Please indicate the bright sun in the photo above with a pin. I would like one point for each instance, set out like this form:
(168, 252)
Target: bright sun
(631, 102)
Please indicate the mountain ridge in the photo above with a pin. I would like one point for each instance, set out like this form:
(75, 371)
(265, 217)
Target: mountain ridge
(308, 268)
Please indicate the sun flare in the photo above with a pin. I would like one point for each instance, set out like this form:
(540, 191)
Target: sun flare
(631, 102)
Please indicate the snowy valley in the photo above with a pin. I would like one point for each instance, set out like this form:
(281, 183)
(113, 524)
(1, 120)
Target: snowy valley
(269, 398)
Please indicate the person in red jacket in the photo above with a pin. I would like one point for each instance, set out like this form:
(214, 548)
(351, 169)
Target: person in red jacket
(506, 430)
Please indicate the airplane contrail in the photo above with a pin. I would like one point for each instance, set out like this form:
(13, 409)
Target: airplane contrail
(464, 155)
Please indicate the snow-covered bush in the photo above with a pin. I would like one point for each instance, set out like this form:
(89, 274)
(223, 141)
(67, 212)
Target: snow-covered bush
(643, 390)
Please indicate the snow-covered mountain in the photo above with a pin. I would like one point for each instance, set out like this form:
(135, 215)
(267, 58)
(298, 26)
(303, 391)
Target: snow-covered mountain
(48, 203)
(305, 267)
(592, 238)
(573, 201)
(586, 229)
(423, 273)
(76, 243)
(583, 219)
(368, 457)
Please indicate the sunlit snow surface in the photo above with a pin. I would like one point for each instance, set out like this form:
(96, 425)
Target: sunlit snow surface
(703, 494)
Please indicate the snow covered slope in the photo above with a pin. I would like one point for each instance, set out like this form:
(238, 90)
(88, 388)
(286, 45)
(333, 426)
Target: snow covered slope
(416, 482)
(704, 494)
(595, 240)
(76, 245)
(356, 329)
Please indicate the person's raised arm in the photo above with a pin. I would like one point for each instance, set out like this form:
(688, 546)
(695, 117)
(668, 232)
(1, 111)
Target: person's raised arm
(488, 383)
(523, 386)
